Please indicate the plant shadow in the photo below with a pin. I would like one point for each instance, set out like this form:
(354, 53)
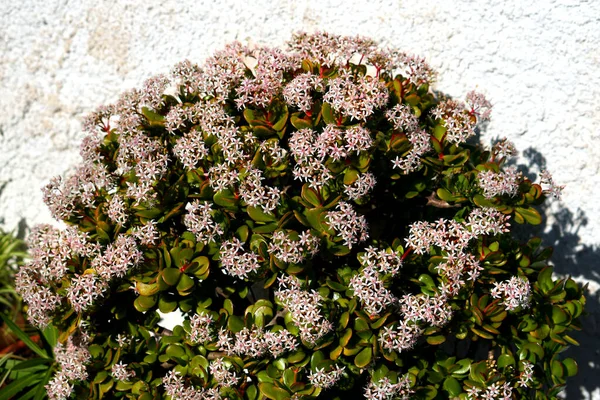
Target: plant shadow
(579, 260)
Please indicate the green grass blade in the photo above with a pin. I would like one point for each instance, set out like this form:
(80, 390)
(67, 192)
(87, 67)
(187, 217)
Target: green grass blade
(31, 363)
(23, 336)
(9, 391)
(40, 393)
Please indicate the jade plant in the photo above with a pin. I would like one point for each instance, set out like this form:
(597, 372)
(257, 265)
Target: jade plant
(325, 225)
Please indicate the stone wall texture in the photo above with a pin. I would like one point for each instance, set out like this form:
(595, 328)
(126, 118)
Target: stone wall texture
(537, 61)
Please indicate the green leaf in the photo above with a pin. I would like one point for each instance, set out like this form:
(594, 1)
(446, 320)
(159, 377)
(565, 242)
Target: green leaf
(258, 215)
(506, 360)
(363, 358)
(327, 113)
(310, 195)
(273, 392)
(570, 366)
(452, 386)
(530, 215)
(23, 336)
(171, 276)
(301, 123)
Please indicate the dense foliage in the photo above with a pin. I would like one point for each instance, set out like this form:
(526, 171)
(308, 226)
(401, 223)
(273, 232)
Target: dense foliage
(323, 223)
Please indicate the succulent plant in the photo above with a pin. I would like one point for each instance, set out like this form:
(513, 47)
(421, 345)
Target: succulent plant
(326, 226)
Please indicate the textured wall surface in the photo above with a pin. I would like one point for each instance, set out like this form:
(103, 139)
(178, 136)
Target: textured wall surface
(538, 62)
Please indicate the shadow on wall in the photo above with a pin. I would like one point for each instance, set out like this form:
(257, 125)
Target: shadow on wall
(572, 258)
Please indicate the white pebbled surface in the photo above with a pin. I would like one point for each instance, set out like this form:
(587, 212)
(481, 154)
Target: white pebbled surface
(538, 62)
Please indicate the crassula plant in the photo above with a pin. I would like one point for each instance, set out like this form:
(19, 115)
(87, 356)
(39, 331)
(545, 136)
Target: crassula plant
(323, 223)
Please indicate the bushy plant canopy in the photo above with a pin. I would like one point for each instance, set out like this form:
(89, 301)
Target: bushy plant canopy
(324, 224)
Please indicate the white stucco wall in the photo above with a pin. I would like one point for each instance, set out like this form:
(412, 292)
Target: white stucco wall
(537, 61)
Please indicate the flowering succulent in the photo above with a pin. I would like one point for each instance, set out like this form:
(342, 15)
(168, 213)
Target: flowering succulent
(324, 226)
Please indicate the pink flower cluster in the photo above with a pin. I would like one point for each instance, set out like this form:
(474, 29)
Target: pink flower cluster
(72, 359)
(176, 388)
(514, 292)
(554, 189)
(84, 290)
(304, 307)
(120, 372)
(459, 121)
(405, 121)
(288, 250)
(201, 329)
(199, 220)
(118, 258)
(354, 96)
(384, 389)
(255, 194)
(222, 373)
(256, 342)
(299, 91)
(190, 149)
(311, 149)
(503, 149)
(433, 310)
(369, 285)
(324, 380)
(526, 376)
(361, 187)
(235, 261)
(453, 238)
(400, 336)
(495, 391)
(499, 183)
(351, 226)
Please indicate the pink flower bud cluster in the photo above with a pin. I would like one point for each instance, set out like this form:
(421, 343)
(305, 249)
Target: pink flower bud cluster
(351, 226)
(500, 183)
(514, 292)
(121, 373)
(384, 389)
(324, 380)
(199, 220)
(554, 189)
(304, 307)
(235, 261)
(176, 388)
(288, 250)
